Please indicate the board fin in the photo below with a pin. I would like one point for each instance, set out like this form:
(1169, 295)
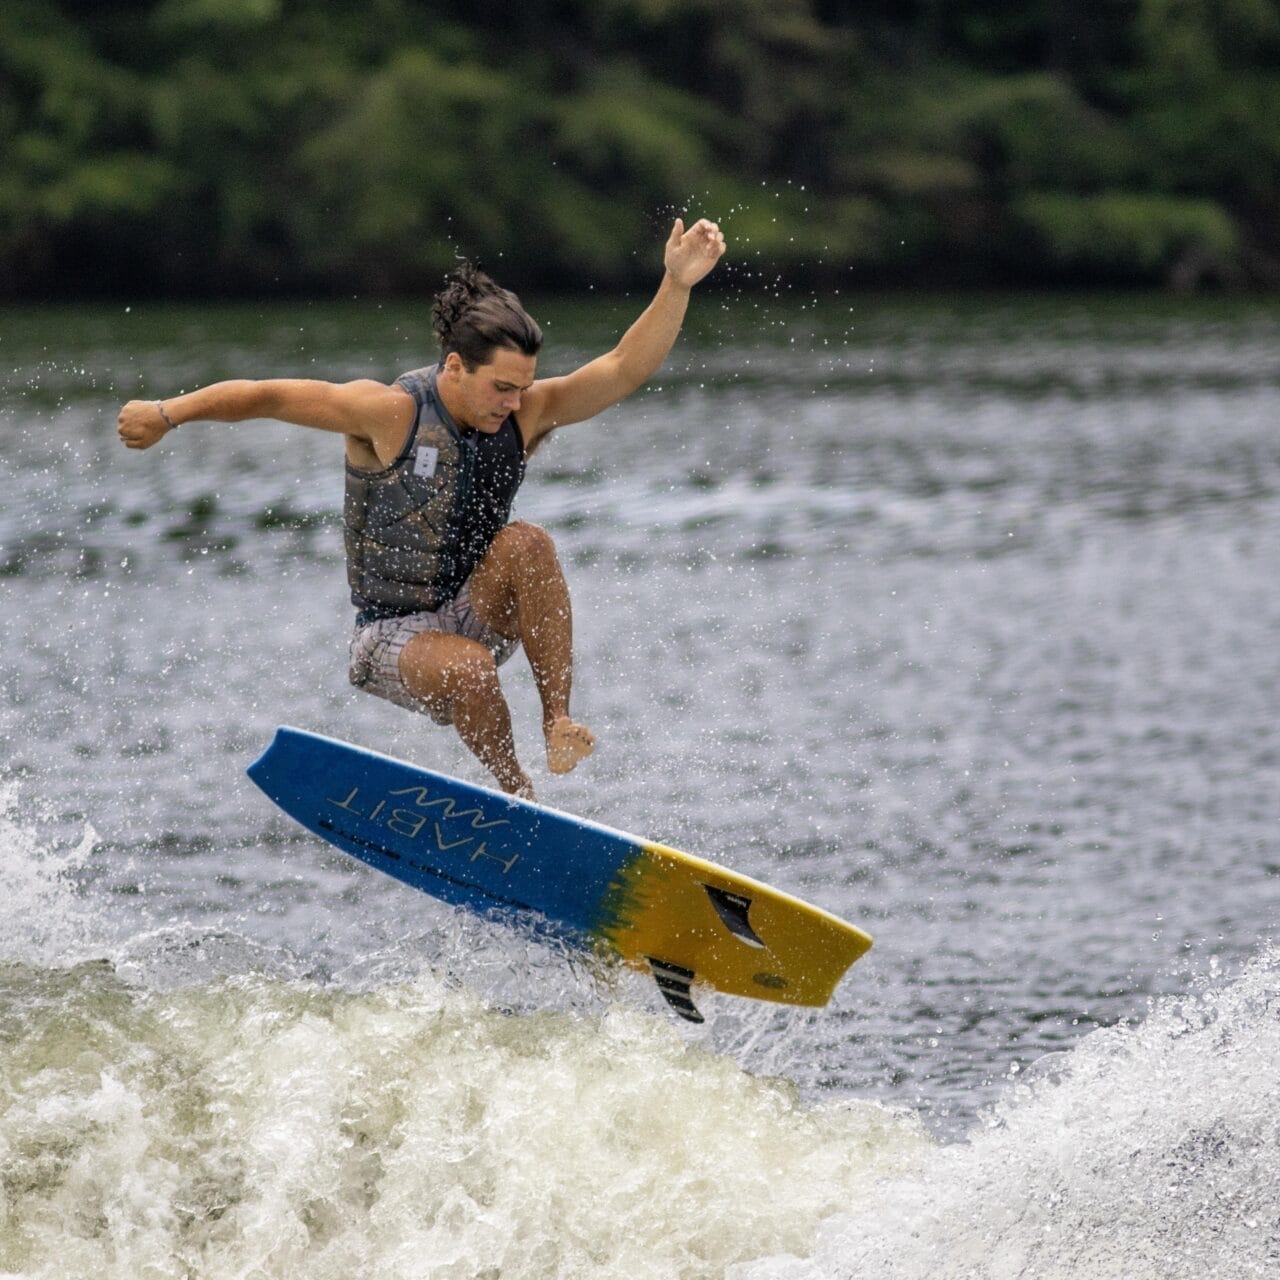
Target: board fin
(732, 909)
(674, 981)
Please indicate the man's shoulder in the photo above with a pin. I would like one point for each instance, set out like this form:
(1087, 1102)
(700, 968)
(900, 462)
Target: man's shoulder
(368, 389)
(416, 382)
(378, 413)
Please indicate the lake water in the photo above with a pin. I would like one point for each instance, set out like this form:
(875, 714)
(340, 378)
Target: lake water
(959, 618)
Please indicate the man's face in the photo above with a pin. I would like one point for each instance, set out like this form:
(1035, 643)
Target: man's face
(488, 393)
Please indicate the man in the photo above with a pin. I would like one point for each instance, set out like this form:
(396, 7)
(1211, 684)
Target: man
(446, 589)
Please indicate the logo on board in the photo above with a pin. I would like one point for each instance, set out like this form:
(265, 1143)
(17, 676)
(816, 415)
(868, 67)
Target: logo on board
(439, 821)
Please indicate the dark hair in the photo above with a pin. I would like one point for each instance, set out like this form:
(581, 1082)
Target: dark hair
(472, 315)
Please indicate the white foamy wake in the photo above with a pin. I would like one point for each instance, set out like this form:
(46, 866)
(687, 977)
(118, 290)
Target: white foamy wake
(1147, 1151)
(269, 1128)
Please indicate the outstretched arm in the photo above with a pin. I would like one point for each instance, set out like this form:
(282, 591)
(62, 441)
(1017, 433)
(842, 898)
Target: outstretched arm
(555, 402)
(362, 410)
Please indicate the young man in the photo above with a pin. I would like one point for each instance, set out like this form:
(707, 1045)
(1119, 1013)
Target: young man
(446, 589)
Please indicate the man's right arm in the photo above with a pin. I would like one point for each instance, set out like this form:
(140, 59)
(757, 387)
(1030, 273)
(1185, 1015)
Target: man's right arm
(365, 410)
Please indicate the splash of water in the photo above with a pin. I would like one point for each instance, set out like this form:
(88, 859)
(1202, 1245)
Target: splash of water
(46, 920)
(1147, 1151)
(280, 1129)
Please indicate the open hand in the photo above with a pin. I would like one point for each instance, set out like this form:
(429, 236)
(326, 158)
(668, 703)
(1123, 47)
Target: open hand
(691, 254)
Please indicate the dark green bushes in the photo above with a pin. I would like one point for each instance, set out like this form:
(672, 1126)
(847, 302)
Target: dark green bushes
(266, 146)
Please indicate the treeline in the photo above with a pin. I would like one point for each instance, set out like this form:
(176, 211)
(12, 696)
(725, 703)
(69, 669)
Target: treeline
(215, 147)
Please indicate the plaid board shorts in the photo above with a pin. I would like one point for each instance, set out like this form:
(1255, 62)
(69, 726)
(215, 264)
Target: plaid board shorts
(376, 648)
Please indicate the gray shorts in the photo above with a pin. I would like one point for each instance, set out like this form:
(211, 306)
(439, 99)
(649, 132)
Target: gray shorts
(376, 649)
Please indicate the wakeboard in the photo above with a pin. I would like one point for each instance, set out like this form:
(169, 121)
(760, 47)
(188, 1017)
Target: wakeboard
(684, 920)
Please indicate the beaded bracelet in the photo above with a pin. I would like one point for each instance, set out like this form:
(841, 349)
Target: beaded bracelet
(169, 422)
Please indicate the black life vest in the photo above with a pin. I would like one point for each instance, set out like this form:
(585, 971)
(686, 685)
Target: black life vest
(415, 530)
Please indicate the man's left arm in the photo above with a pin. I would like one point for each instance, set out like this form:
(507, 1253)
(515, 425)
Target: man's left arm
(556, 402)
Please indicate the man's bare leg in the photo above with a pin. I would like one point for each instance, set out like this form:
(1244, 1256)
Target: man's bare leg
(452, 675)
(519, 590)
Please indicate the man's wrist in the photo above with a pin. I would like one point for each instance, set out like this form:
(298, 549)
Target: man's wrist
(168, 421)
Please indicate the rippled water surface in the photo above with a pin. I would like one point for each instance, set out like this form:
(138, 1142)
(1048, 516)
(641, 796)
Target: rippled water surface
(958, 618)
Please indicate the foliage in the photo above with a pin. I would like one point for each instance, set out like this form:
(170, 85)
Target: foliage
(264, 146)
(1120, 235)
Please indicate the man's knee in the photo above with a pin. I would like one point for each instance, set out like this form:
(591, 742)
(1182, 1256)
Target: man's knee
(525, 541)
(519, 569)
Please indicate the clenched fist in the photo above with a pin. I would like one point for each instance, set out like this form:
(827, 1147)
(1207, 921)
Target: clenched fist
(142, 423)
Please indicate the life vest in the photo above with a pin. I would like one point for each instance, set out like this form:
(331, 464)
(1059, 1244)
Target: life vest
(415, 530)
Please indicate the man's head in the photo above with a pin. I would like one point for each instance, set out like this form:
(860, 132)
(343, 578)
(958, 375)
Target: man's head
(488, 349)
(473, 316)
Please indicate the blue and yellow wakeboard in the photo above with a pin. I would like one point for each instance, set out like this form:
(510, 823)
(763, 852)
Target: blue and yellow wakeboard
(684, 920)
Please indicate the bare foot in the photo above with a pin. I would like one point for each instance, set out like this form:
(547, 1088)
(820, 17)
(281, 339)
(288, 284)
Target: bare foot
(567, 744)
